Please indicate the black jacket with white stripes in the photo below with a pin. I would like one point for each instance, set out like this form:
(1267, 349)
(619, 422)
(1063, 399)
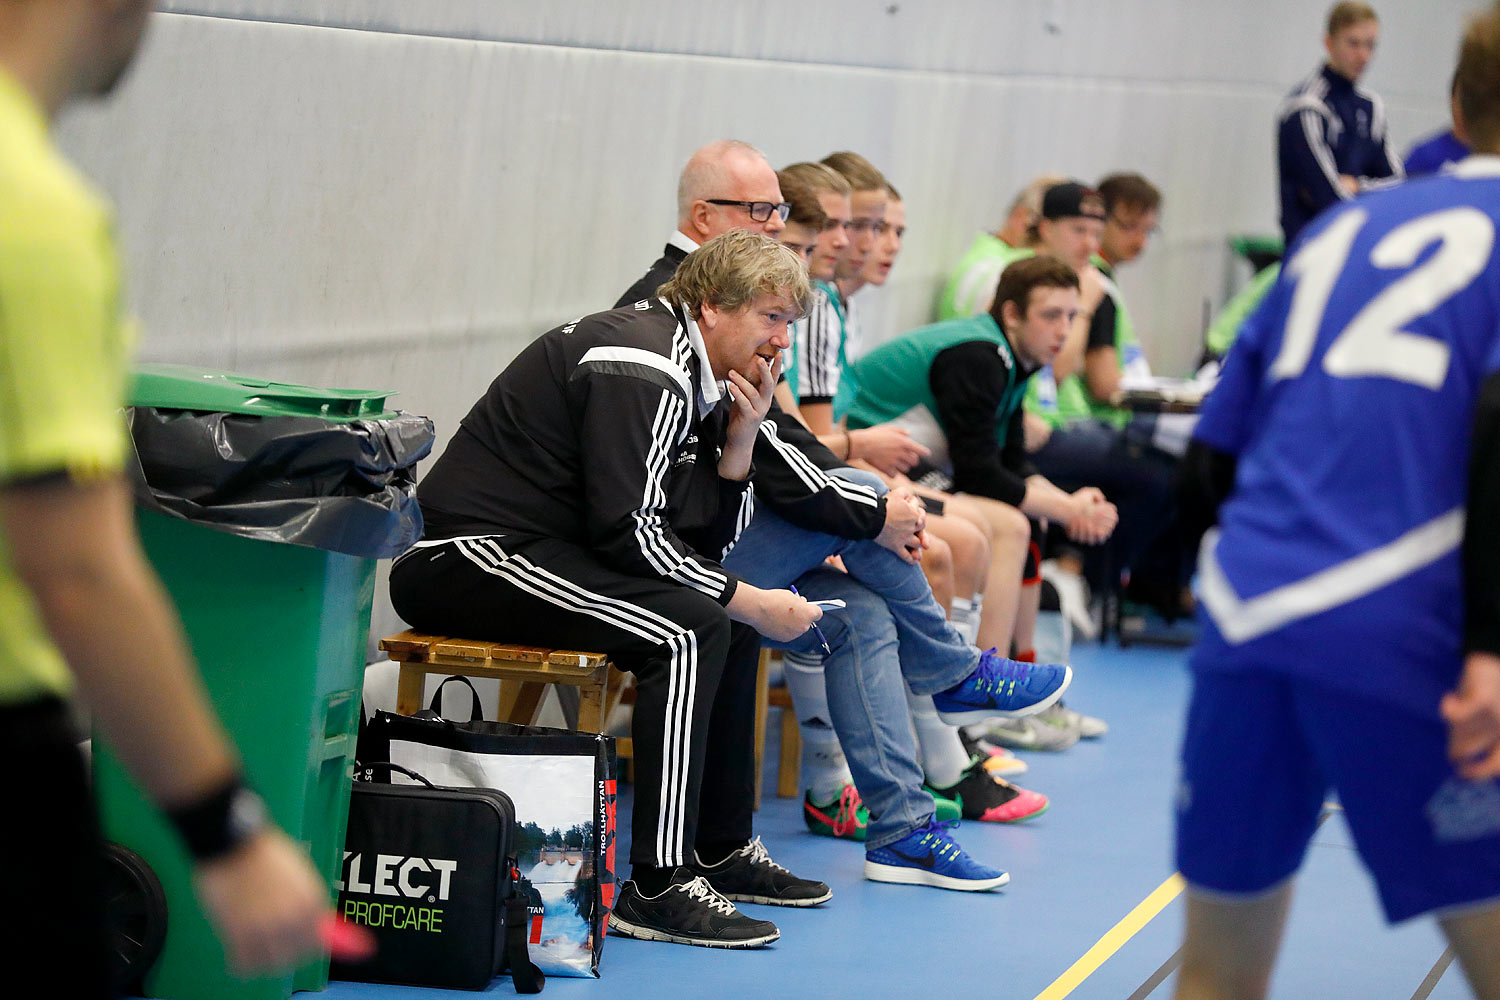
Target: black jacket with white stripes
(791, 478)
(1327, 126)
(597, 434)
(791, 464)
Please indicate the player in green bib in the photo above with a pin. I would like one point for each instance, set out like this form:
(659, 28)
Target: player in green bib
(971, 285)
(958, 386)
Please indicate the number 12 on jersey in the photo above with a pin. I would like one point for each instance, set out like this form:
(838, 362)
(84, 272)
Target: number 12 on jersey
(1374, 342)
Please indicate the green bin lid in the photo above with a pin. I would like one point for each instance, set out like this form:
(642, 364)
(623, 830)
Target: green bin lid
(1254, 243)
(183, 387)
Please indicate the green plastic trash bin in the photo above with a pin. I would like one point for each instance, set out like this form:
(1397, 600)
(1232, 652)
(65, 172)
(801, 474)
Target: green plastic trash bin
(246, 490)
(1260, 249)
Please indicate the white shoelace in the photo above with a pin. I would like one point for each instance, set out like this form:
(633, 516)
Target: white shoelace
(759, 855)
(700, 890)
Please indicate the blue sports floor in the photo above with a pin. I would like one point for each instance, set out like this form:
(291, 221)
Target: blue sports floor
(1072, 922)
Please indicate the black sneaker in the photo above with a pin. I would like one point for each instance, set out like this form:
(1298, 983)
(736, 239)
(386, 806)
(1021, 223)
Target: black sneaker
(688, 911)
(750, 876)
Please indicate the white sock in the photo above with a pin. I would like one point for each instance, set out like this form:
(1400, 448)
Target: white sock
(1053, 641)
(943, 756)
(825, 770)
(964, 614)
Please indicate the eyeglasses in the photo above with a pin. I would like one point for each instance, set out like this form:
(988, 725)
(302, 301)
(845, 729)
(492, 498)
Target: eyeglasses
(760, 211)
(1134, 225)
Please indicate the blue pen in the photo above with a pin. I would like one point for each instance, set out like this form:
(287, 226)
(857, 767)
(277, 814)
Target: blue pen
(823, 639)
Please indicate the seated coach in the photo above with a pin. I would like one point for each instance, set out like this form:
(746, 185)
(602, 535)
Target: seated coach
(588, 500)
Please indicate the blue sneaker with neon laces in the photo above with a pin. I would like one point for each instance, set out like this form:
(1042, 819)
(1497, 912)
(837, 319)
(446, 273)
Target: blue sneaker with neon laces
(1001, 688)
(928, 856)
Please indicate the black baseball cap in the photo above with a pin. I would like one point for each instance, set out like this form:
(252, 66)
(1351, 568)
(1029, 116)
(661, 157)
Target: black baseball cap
(1070, 199)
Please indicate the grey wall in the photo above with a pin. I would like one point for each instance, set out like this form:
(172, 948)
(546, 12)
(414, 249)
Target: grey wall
(401, 193)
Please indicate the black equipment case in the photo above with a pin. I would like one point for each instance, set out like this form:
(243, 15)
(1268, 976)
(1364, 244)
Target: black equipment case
(431, 871)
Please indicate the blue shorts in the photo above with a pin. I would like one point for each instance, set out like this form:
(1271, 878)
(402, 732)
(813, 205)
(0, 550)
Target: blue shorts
(1261, 753)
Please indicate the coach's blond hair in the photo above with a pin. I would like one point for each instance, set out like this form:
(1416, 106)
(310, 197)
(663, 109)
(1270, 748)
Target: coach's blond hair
(733, 269)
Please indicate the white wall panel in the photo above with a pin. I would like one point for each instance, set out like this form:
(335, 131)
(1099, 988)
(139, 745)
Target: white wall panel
(401, 194)
(1173, 40)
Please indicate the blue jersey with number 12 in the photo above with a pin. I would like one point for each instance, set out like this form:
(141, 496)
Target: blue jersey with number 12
(1349, 399)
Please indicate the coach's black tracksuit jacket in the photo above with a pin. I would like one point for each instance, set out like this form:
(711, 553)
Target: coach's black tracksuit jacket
(551, 450)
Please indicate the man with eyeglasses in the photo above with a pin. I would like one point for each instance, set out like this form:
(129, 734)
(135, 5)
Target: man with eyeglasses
(1131, 206)
(824, 338)
(725, 185)
(791, 465)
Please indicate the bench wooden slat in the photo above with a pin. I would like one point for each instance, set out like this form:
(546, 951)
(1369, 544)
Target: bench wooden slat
(418, 647)
(421, 654)
(409, 644)
(469, 649)
(563, 673)
(519, 654)
(574, 658)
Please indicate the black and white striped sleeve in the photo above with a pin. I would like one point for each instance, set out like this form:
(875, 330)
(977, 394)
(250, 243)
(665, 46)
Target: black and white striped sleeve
(821, 336)
(790, 479)
(635, 411)
(744, 510)
(1385, 167)
(1305, 151)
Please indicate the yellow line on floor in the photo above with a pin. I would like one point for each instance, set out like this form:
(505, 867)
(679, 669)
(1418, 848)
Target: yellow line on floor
(1114, 939)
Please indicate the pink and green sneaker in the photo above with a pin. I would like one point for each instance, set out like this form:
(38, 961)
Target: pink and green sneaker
(982, 796)
(847, 818)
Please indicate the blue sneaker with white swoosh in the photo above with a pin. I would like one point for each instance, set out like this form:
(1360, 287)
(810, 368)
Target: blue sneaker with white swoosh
(928, 856)
(1001, 688)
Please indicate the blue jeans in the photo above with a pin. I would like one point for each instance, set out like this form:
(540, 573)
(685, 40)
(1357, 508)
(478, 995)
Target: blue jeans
(891, 634)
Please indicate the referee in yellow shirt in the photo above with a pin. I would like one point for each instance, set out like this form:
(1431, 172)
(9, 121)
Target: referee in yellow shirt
(78, 604)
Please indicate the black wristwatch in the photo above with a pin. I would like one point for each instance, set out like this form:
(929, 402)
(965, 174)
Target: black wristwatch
(219, 822)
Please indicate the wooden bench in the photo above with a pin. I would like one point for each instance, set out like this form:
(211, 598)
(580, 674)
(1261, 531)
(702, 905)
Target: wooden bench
(766, 698)
(523, 672)
(788, 772)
